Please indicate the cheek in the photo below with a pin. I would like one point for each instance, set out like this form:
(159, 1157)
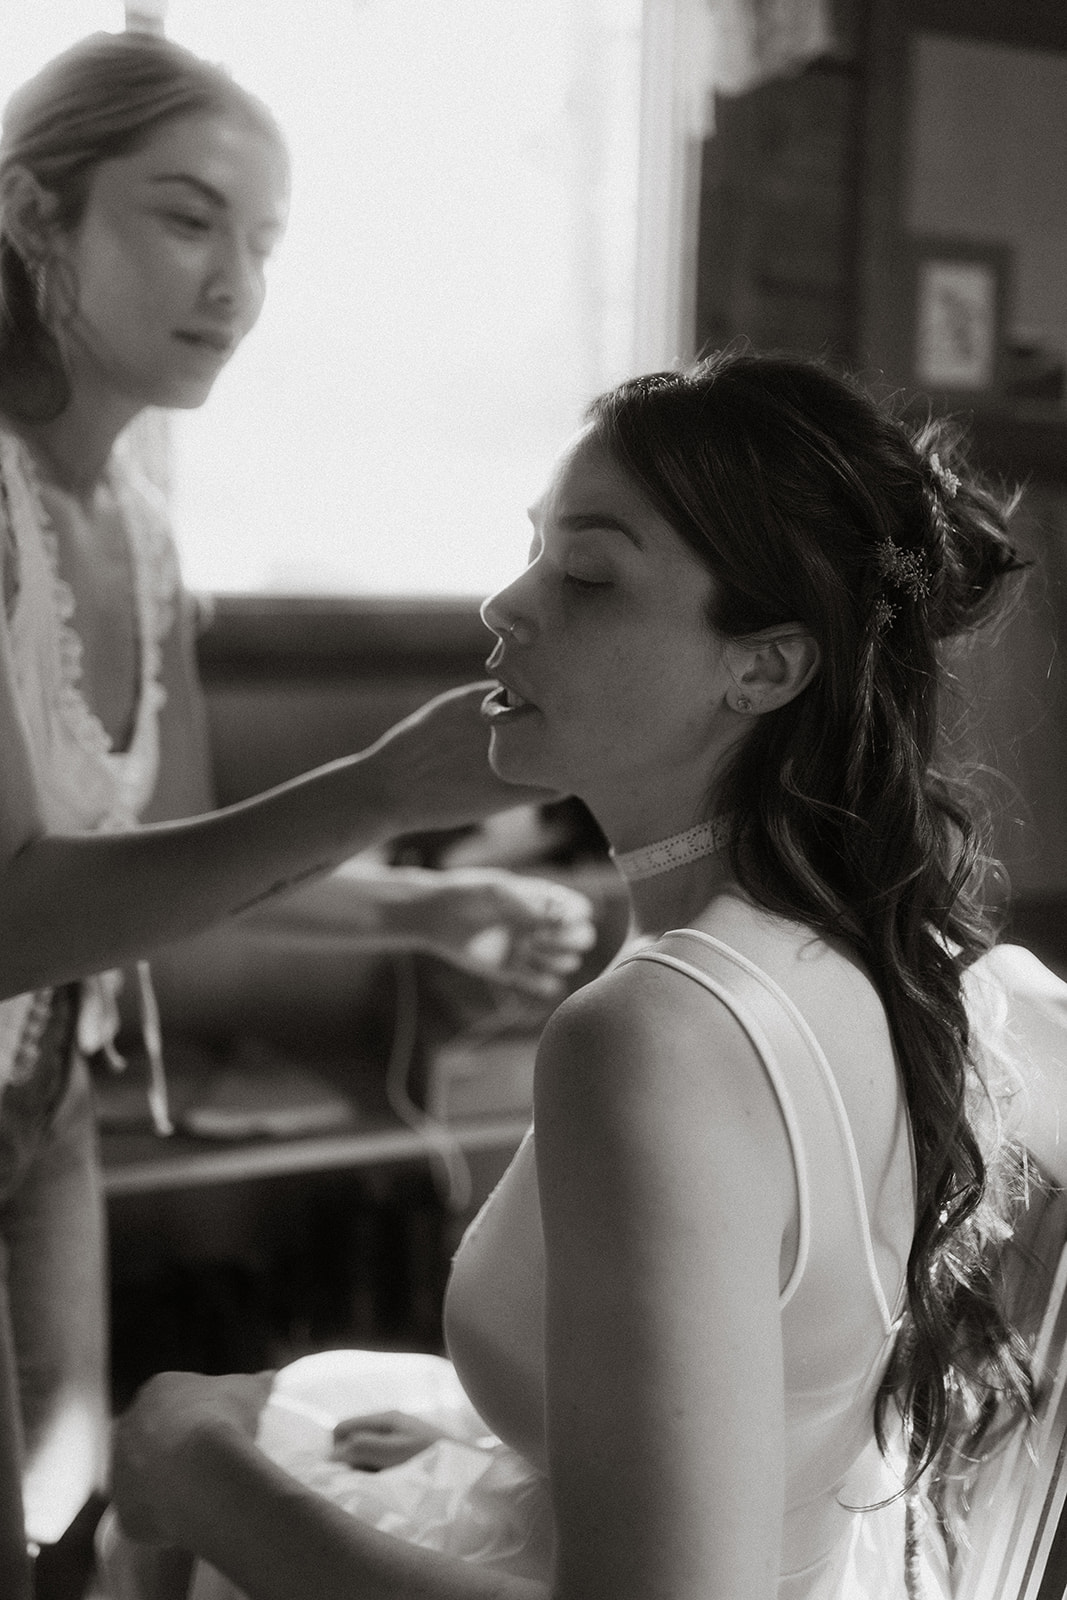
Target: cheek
(667, 696)
(256, 297)
(119, 281)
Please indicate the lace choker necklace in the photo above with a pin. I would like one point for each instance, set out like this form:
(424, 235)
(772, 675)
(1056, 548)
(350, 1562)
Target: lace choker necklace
(676, 851)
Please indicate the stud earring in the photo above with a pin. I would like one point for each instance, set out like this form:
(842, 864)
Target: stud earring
(742, 703)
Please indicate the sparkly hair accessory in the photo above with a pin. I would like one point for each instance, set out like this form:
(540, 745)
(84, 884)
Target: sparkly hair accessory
(947, 481)
(906, 571)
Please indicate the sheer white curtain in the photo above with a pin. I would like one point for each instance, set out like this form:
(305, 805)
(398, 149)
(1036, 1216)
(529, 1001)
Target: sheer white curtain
(456, 282)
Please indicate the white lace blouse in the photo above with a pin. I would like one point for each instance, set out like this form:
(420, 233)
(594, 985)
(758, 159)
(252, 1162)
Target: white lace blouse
(85, 784)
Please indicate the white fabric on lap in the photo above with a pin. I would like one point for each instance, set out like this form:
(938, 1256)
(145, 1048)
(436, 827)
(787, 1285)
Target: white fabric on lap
(468, 1495)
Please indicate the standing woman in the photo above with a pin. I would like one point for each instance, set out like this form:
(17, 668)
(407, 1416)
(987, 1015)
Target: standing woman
(141, 193)
(738, 1286)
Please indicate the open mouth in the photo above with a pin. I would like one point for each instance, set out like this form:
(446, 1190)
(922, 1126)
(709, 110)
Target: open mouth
(502, 702)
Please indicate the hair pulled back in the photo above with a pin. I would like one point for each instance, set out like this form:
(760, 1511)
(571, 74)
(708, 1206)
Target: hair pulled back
(99, 100)
(811, 505)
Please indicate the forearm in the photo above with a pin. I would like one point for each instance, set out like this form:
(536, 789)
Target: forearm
(361, 903)
(277, 1541)
(70, 904)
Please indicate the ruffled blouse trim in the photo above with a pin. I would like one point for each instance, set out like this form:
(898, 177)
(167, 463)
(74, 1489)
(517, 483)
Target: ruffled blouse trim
(154, 596)
(131, 771)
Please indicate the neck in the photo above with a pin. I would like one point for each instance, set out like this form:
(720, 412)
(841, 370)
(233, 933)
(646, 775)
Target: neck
(676, 899)
(72, 451)
(671, 877)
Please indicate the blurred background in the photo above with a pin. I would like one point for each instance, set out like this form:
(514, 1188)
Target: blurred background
(500, 207)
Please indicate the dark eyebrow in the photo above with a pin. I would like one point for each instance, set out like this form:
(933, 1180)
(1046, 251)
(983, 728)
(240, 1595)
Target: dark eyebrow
(584, 521)
(212, 195)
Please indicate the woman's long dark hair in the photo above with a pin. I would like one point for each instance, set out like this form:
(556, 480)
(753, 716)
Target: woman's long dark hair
(810, 504)
(99, 100)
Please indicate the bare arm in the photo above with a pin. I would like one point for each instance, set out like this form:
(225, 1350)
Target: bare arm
(187, 1473)
(666, 1188)
(524, 931)
(71, 904)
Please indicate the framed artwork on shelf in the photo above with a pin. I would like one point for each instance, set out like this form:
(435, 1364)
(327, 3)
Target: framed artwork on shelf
(959, 294)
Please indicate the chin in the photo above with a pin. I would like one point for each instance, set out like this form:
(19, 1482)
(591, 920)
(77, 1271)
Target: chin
(513, 765)
(184, 396)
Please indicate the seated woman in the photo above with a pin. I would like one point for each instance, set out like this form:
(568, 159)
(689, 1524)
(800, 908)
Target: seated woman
(723, 1310)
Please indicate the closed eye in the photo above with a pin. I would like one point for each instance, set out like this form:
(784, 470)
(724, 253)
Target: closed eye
(585, 583)
(184, 219)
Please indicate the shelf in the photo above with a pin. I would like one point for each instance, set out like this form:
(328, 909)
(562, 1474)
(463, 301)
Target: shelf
(142, 1163)
(138, 1161)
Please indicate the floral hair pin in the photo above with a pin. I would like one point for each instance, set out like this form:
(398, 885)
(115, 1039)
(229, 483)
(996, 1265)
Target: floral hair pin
(947, 481)
(884, 613)
(904, 569)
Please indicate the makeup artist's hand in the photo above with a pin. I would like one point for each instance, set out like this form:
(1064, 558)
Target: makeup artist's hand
(153, 1473)
(433, 767)
(528, 933)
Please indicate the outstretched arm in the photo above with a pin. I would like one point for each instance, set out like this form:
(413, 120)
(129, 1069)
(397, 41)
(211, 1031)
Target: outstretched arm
(523, 931)
(526, 932)
(71, 904)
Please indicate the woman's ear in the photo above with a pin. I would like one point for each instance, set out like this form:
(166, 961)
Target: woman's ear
(770, 668)
(29, 214)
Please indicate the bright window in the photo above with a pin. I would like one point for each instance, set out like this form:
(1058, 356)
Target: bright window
(453, 286)
(458, 279)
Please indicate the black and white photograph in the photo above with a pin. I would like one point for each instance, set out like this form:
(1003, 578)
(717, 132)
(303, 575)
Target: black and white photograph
(533, 800)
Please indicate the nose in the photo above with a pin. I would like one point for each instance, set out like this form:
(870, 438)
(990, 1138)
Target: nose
(501, 615)
(235, 282)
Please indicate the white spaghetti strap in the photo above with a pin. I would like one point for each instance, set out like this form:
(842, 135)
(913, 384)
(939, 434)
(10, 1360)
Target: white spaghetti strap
(767, 1055)
(777, 1030)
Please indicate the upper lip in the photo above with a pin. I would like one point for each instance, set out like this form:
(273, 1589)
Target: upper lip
(507, 682)
(219, 338)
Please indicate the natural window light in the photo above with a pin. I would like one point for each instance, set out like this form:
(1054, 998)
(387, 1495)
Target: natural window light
(458, 279)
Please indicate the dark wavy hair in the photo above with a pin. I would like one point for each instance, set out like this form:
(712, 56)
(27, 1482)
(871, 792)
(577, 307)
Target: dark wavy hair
(99, 100)
(811, 504)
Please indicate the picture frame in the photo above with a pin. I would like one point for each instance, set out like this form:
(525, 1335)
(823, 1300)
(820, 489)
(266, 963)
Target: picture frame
(958, 296)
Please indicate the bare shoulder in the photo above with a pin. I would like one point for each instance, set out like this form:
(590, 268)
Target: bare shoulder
(633, 1025)
(644, 1069)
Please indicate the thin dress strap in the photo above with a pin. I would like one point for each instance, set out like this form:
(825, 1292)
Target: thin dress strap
(784, 1043)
